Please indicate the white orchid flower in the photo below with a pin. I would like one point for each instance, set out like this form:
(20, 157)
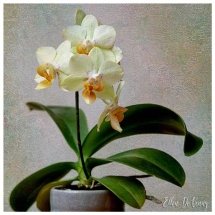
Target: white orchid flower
(93, 74)
(50, 62)
(90, 34)
(113, 112)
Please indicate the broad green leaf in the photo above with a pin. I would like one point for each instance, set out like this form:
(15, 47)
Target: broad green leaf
(65, 118)
(79, 16)
(192, 144)
(93, 162)
(43, 198)
(129, 190)
(25, 193)
(153, 162)
(143, 119)
(68, 115)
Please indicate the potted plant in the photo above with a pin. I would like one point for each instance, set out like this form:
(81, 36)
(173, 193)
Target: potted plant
(88, 60)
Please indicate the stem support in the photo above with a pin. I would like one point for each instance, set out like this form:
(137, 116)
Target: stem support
(79, 134)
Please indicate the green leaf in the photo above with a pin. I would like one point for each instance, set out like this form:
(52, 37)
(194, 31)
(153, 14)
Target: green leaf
(65, 118)
(129, 190)
(143, 119)
(79, 16)
(94, 162)
(153, 162)
(43, 198)
(192, 144)
(25, 193)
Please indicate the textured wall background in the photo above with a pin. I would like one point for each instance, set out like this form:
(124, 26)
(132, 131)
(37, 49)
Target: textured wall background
(167, 61)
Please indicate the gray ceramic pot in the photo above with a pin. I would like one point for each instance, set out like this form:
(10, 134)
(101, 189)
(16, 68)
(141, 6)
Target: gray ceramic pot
(84, 200)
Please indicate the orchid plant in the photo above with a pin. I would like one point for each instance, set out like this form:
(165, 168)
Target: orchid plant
(88, 61)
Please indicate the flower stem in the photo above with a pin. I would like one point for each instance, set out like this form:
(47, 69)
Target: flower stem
(79, 134)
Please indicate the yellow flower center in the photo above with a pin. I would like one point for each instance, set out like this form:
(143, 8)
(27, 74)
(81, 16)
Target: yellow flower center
(118, 112)
(46, 71)
(94, 83)
(116, 116)
(84, 47)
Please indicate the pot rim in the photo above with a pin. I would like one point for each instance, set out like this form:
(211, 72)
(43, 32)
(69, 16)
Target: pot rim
(98, 190)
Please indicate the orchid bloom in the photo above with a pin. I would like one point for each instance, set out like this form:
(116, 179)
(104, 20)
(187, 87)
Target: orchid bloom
(93, 74)
(113, 112)
(90, 34)
(50, 62)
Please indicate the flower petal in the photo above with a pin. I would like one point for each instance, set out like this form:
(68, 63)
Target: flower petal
(51, 72)
(39, 78)
(120, 116)
(75, 34)
(44, 84)
(64, 47)
(118, 110)
(45, 55)
(72, 83)
(115, 123)
(41, 70)
(104, 36)
(107, 119)
(62, 63)
(73, 50)
(97, 58)
(111, 72)
(118, 53)
(102, 117)
(88, 96)
(89, 23)
(106, 93)
(108, 55)
(80, 65)
(61, 77)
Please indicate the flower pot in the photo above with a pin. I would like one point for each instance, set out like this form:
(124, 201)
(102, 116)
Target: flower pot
(66, 199)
